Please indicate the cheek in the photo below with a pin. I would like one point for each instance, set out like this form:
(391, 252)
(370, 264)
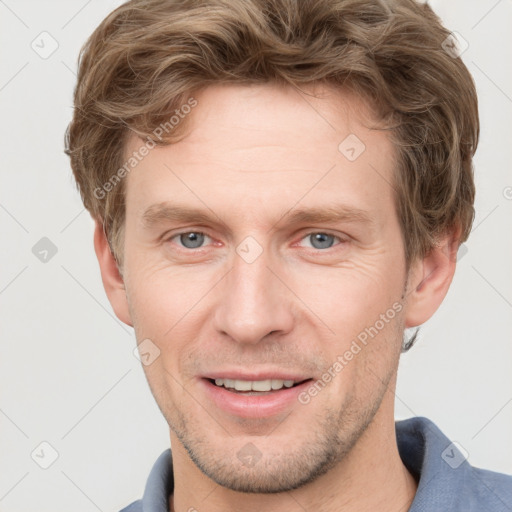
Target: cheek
(362, 308)
(167, 306)
(367, 359)
(348, 300)
(162, 291)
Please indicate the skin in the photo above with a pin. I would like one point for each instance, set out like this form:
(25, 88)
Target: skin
(250, 157)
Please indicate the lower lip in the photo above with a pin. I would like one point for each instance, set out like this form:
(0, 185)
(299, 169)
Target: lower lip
(253, 406)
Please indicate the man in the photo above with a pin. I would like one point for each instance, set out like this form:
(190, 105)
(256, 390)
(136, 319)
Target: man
(280, 189)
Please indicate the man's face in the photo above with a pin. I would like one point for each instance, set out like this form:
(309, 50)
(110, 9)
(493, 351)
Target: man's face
(253, 292)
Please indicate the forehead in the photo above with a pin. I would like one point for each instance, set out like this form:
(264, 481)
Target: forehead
(275, 115)
(265, 145)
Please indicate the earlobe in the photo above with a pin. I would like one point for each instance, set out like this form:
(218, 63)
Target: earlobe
(429, 280)
(112, 280)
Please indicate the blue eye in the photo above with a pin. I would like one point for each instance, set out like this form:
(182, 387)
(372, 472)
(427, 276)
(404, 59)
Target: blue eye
(191, 239)
(195, 239)
(320, 240)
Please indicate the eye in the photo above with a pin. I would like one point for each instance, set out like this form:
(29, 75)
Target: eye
(321, 240)
(190, 239)
(195, 239)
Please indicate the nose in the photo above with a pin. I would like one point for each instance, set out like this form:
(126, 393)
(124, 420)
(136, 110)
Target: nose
(254, 302)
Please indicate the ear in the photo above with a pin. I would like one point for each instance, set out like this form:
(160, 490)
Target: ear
(430, 278)
(110, 275)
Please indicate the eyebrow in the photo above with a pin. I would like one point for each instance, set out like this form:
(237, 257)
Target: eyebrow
(329, 214)
(168, 212)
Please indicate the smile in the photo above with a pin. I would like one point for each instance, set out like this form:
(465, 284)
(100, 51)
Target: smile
(254, 385)
(253, 398)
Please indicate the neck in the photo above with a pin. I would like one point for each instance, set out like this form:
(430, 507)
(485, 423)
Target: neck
(371, 477)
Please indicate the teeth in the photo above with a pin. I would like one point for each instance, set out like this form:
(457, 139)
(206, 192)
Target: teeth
(277, 384)
(260, 385)
(243, 385)
(254, 385)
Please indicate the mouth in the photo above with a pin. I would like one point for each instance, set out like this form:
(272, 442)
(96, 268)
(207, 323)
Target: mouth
(254, 396)
(256, 387)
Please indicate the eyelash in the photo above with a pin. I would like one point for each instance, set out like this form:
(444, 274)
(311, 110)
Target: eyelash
(340, 239)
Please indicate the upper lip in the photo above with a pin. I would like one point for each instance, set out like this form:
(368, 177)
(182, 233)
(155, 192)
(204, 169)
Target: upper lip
(262, 375)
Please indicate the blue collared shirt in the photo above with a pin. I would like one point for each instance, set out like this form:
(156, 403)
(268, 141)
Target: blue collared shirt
(447, 482)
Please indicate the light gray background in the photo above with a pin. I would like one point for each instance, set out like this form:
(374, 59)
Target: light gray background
(67, 372)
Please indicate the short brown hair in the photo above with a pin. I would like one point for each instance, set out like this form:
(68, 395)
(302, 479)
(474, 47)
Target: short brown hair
(148, 57)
